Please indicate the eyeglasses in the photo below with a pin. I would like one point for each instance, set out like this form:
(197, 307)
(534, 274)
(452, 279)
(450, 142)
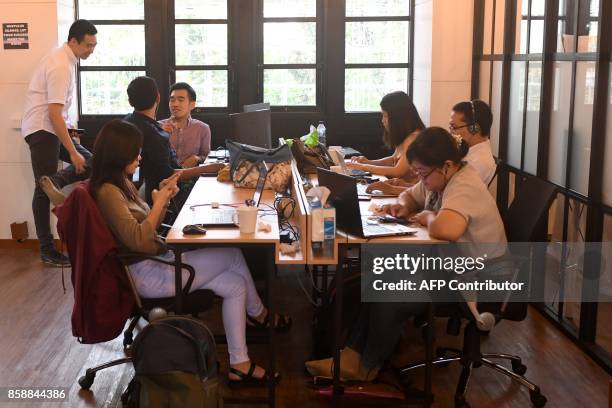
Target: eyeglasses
(452, 127)
(422, 175)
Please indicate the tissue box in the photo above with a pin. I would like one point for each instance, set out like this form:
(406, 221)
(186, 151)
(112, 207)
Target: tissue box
(322, 224)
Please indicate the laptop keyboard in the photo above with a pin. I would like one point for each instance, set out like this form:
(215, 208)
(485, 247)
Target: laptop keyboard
(376, 229)
(219, 217)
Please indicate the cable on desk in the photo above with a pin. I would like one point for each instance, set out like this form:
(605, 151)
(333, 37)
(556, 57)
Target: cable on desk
(285, 208)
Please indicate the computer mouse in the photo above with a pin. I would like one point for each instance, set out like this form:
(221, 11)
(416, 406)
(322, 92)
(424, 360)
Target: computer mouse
(194, 229)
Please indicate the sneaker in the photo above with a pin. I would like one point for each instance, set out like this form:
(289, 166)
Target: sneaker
(54, 258)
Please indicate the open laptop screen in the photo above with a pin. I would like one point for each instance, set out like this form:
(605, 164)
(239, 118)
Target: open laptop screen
(343, 196)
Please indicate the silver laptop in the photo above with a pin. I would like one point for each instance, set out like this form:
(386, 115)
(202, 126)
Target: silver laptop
(224, 217)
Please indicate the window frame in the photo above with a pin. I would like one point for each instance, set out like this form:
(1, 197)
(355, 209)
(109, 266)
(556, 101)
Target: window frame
(106, 68)
(318, 66)
(585, 332)
(228, 67)
(408, 65)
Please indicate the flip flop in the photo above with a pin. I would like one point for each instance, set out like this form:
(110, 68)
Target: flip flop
(282, 325)
(247, 379)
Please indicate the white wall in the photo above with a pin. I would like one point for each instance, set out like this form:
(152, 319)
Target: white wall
(16, 180)
(442, 57)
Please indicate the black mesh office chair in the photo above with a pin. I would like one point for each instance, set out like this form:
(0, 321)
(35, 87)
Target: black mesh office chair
(524, 219)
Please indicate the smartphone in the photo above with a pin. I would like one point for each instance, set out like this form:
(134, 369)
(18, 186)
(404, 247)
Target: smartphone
(393, 220)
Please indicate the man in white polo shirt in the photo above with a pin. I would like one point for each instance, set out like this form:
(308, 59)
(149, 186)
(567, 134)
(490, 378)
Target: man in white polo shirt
(45, 127)
(471, 120)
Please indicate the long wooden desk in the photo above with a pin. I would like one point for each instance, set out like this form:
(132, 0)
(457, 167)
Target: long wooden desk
(208, 189)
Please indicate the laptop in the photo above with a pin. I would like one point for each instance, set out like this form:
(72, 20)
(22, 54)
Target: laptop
(225, 217)
(338, 158)
(343, 195)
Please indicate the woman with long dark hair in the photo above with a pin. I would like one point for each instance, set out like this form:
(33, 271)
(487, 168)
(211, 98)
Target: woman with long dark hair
(134, 224)
(401, 123)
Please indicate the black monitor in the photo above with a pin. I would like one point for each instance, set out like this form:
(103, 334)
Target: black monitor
(252, 128)
(256, 107)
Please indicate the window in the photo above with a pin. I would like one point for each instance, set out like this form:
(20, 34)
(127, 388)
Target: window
(377, 52)
(236, 52)
(290, 52)
(201, 49)
(105, 75)
(585, 22)
(552, 106)
(530, 33)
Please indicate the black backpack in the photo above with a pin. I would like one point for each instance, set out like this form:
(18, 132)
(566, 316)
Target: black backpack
(175, 364)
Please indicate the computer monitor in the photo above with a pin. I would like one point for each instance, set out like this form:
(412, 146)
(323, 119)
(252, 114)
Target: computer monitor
(256, 107)
(252, 128)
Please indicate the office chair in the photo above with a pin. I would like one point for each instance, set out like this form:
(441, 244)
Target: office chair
(524, 219)
(112, 266)
(192, 303)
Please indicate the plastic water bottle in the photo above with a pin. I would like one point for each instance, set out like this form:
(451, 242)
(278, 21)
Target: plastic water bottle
(322, 133)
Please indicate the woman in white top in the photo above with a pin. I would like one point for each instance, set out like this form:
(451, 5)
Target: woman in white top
(401, 123)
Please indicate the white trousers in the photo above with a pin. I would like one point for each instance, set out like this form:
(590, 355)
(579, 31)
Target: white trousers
(222, 270)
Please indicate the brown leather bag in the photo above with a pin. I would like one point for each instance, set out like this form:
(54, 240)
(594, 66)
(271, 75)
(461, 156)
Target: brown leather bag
(309, 158)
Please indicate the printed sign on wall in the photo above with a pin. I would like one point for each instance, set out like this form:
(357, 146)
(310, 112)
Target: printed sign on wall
(15, 36)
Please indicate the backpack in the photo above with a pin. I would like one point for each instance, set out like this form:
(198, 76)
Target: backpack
(175, 363)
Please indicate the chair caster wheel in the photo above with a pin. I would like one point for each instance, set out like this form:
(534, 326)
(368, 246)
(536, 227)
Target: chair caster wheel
(518, 367)
(460, 402)
(87, 380)
(537, 399)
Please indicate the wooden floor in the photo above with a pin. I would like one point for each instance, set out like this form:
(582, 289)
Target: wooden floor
(37, 349)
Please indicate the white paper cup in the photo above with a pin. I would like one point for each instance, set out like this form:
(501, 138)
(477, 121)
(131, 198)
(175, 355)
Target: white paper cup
(247, 219)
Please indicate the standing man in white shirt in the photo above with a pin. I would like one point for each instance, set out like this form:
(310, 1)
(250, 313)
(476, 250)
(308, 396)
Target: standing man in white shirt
(471, 120)
(46, 130)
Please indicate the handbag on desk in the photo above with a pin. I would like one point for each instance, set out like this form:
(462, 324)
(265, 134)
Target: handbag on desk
(309, 158)
(245, 159)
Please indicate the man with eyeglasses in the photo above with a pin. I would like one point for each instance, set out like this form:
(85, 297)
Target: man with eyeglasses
(48, 132)
(471, 120)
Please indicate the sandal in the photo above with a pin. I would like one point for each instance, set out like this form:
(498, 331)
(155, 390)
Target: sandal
(282, 325)
(247, 379)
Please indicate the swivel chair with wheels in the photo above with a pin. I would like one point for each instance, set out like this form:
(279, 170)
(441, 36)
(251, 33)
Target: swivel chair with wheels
(96, 267)
(524, 219)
